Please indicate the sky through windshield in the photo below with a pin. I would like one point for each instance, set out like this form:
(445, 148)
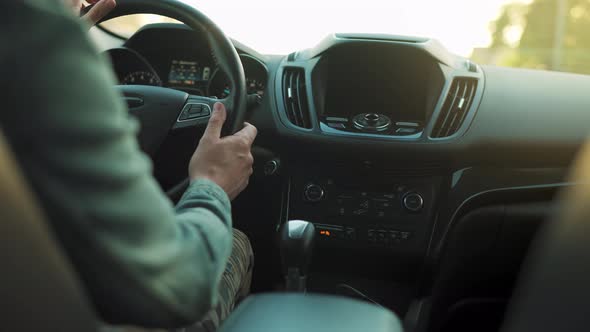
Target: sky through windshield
(280, 27)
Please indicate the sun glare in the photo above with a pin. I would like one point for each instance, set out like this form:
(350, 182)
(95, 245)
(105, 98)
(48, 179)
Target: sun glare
(280, 27)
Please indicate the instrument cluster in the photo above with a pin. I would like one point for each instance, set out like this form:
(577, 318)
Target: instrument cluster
(188, 69)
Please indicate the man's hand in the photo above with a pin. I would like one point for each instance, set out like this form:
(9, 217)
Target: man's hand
(101, 9)
(226, 161)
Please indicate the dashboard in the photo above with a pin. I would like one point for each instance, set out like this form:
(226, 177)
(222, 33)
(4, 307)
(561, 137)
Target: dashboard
(173, 56)
(383, 141)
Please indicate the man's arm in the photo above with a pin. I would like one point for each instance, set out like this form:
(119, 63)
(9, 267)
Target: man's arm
(142, 261)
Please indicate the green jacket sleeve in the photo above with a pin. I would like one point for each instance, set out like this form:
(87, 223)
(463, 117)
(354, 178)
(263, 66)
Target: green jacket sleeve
(143, 261)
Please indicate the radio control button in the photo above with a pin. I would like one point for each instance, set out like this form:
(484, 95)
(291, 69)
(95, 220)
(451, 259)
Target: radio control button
(313, 192)
(383, 204)
(350, 234)
(380, 214)
(413, 202)
(405, 235)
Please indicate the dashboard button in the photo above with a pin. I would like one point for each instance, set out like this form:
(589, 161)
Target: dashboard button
(336, 125)
(350, 234)
(383, 204)
(360, 212)
(413, 202)
(406, 131)
(380, 213)
(313, 192)
(361, 206)
(381, 237)
(342, 205)
(364, 204)
(371, 236)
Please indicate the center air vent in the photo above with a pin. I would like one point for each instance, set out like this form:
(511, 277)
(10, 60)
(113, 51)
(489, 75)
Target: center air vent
(295, 97)
(456, 107)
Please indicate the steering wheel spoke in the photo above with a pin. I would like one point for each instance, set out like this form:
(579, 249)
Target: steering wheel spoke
(196, 112)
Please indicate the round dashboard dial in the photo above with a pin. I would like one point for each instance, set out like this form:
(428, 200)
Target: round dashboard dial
(256, 78)
(142, 78)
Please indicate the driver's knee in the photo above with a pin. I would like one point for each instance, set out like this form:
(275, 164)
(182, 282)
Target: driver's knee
(240, 265)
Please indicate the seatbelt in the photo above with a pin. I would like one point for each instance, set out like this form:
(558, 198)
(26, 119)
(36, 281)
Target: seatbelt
(38, 289)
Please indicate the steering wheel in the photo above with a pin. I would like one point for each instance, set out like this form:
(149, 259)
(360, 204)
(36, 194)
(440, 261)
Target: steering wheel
(162, 110)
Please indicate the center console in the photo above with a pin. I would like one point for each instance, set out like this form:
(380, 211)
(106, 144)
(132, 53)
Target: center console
(371, 211)
(389, 91)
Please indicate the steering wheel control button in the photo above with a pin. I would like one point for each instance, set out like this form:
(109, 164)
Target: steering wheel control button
(313, 192)
(413, 202)
(194, 111)
(371, 122)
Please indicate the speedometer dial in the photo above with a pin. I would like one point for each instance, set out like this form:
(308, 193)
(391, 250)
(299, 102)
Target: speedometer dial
(142, 78)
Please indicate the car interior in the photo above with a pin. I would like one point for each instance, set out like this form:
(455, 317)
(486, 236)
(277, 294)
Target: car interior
(396, 186)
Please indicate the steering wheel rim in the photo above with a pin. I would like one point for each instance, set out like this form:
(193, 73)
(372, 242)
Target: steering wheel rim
(225, 57)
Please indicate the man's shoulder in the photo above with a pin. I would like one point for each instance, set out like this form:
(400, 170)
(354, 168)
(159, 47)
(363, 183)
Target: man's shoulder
(51, 9)
(33, 28)
(44, 17)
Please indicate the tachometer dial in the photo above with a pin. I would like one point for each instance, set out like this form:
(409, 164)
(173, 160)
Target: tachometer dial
(142, 78)
(256, 78)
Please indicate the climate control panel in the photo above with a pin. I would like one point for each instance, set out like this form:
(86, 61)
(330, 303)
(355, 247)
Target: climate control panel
(392, 214)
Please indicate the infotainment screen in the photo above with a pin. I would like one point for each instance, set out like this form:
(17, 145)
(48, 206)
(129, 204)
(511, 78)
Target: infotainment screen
(187, 73)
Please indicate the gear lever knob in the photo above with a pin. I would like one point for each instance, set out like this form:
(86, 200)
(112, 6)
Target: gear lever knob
(296, 243)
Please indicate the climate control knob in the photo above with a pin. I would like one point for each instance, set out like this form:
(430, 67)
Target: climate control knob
(313, 192)
(413, 202)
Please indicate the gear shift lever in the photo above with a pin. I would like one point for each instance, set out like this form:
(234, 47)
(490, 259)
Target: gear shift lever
(296, 247)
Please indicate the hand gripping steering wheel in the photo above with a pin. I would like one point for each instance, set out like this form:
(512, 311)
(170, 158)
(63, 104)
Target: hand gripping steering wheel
(162, 110)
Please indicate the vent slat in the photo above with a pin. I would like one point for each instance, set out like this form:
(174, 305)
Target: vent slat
(295, 97)
(292, 96)
(300, 94)
(447, 108)
(286, 93)
(470, 98)
(456, 107)
(445, 128)
(289, 100)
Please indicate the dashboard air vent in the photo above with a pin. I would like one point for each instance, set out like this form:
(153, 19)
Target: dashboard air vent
(456, 106)
(295, 97)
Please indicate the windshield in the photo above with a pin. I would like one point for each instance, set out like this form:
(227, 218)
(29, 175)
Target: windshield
(542, 34)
